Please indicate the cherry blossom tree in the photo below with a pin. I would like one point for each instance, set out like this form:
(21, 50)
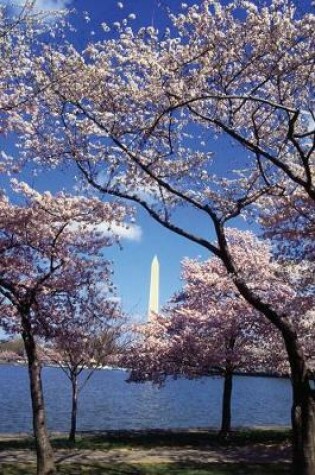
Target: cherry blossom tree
(193, 344)
(142, 116)
(44, 246)
(88, 336)
(210, 328)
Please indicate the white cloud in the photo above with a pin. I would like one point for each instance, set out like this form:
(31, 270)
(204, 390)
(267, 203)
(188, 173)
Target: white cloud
(43, 5)
(52, 4)
(311, 123)
(131, 232)
(103, 291)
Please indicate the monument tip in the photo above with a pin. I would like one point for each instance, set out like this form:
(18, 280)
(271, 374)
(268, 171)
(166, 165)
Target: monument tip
(154, 288)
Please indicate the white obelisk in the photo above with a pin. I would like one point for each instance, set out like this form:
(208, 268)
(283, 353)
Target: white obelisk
(154, 288)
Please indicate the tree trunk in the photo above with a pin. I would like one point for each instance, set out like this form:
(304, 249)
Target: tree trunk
(44, 453)
(226, 403)
(303, 428)
(74, 408)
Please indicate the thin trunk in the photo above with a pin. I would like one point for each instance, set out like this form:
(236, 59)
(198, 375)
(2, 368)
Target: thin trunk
(74, 408)
(226, 402)
(44, 453)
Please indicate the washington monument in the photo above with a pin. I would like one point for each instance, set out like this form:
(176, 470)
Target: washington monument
(154, 288)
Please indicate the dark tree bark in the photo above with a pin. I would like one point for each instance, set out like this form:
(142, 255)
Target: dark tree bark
(303, 425)
(74, 407)
(44, 452)
(302, 414)
(226, 402)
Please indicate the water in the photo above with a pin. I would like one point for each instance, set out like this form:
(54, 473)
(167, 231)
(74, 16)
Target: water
(108, 402)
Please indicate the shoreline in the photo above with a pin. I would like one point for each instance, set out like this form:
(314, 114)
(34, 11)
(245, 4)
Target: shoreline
(214, 372)
(154, 432)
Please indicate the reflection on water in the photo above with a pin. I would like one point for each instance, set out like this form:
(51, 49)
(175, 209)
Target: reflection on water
(108, 402)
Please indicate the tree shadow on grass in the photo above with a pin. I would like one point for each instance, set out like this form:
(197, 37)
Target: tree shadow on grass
(155, 438)
(175, 438)
(216, 468)
(75, 469)
(17, 444)
(160, 469)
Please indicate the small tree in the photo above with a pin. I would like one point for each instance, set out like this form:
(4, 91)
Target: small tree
(87, 336)
(45, 245)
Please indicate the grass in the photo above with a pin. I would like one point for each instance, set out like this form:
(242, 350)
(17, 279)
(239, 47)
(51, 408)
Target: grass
(156, 438)
(161, 469)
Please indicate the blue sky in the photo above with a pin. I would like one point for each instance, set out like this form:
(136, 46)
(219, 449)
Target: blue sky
(132, 263)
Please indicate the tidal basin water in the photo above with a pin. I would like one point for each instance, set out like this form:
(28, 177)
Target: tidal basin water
(108, 402)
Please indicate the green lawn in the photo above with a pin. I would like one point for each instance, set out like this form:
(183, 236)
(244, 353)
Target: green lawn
(161, 469)
(157, 438)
